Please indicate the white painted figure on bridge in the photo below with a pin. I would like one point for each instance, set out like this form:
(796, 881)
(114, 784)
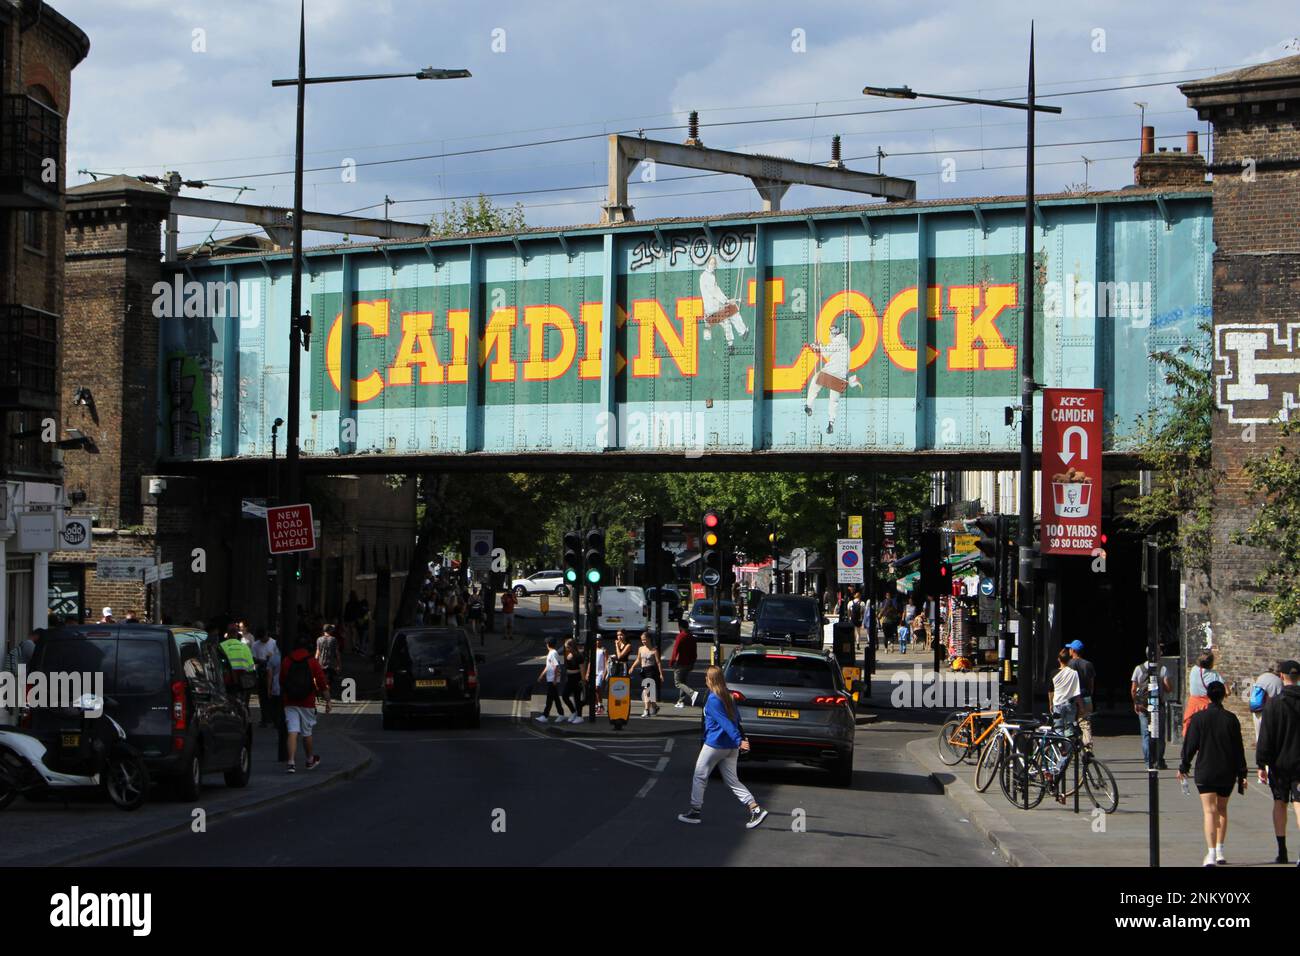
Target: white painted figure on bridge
(718, 308)
(833, 375)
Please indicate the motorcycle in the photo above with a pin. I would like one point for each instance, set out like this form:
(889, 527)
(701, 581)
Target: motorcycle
(87, 749)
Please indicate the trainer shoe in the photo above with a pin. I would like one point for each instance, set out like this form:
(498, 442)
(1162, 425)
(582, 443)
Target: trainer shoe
(690, 816)
(314, 762)
(1219, 858)
(559, 718)
(680, 705)
(1209, 859)
(291, 769)
(540, 718)
(756, 816)
(576, 719)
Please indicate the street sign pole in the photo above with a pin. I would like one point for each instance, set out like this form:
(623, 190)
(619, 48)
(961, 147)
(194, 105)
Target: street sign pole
(1150, 579)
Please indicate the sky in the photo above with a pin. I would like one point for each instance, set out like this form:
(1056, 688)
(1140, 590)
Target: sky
(185, 85)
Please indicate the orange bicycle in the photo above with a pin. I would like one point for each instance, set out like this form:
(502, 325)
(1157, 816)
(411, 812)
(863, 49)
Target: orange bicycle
(963, 736)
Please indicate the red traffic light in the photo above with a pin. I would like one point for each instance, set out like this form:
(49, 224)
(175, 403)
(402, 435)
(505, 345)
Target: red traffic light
(711, 519)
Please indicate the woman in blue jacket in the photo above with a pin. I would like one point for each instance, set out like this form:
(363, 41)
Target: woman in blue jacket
(723, 741)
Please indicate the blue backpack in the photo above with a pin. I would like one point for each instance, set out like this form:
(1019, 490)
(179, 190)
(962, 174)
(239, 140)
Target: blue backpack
(1257, 699)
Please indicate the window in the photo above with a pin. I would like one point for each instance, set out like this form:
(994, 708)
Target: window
(141, 667)
(190, 648)
(34, 224)
(781, 671)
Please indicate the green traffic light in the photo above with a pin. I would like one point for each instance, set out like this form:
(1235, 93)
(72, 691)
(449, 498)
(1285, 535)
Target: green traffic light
(571, 575)
(593, 575)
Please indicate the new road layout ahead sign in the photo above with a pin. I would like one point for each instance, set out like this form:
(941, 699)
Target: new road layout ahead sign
(850, 560)
(289, 528)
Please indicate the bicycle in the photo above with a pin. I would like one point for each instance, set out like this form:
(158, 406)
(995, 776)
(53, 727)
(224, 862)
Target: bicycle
(1097, 779)
(993, 755)
(1043, 762)
(964, 733)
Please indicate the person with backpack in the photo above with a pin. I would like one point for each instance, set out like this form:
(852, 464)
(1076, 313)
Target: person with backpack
(1201, 677)
(1267, 686)
(1277, 754)
(724, 739)
(301, 678)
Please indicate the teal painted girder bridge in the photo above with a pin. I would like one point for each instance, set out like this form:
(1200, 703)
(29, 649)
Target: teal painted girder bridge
(785, 339)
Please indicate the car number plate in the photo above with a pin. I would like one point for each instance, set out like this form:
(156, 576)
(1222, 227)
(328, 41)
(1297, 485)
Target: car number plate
(72, 740)
(614, 620)
(430, 683)
(778, 712)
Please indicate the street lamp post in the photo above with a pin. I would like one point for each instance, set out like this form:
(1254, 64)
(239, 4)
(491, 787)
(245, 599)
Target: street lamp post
(300, 324)
(1025, 539)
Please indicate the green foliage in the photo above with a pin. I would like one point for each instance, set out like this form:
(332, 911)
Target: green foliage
(1275, 529)
(1175, 443)
(477, 215)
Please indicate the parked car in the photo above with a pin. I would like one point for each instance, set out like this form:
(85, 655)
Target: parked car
(700, 621)
(168, 691)
(431, 672)
(789, 619)
(794, 707)
(543, 582)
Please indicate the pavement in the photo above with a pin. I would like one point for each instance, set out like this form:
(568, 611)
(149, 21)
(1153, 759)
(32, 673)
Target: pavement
(1053, 835)
(86, 827)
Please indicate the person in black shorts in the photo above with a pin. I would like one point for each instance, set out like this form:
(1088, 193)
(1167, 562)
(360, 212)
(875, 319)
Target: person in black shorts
(1277, 751)
(1214, 740)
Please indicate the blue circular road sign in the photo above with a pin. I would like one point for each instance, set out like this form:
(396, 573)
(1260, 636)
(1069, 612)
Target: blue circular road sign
(849, 559)
(986, 587)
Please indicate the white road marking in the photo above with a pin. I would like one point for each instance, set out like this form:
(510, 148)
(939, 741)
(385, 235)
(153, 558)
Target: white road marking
(646, 788)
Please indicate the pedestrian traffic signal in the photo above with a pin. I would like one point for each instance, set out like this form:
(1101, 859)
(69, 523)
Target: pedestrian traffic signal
(572, 557)
(932, 581)
(594, 558)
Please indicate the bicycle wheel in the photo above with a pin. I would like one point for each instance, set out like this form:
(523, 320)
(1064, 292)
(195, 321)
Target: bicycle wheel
(1101, 785)
(986, 771)
(1020, 781)
(954, 741)
(1057, 753)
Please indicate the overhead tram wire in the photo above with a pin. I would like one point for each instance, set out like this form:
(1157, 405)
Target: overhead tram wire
(713, 125)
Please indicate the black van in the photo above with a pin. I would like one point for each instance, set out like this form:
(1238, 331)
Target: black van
(432, 671)
(167, 690)
(790, 619)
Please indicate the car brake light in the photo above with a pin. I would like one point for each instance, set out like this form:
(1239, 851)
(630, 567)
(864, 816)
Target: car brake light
(178, 705)
(471, 679)
(388, 681)
(833, 699)
(737, 695)
(782, 657)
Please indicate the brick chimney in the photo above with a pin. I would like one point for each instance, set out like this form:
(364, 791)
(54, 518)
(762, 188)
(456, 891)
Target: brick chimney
(1173, 169)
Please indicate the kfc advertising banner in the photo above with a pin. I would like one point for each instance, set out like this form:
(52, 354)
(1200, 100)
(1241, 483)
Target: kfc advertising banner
(1071, 467)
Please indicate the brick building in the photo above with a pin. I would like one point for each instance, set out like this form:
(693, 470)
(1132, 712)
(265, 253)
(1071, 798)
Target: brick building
(194, 521)
(1256, 117)
(38, 50)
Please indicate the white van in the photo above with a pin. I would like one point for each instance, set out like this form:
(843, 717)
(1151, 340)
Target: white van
(622, 608)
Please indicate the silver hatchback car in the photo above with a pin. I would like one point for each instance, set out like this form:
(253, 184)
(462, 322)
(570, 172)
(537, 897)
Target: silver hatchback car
(794, 706)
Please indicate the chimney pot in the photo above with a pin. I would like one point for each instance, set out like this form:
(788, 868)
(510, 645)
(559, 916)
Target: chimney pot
(1148, 139)
(1193, 142)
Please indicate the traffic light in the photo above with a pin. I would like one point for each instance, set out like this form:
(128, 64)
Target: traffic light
(572, 557)
(990, 547)
(594, 559)
(711, 542)
(932, 566)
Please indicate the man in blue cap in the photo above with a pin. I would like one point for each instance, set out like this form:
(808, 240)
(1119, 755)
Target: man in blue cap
(1087, 683)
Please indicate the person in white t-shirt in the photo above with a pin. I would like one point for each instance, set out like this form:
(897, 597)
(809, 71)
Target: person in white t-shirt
(552, 674)
(601, 667)
(1138, 691)
(1066, 694)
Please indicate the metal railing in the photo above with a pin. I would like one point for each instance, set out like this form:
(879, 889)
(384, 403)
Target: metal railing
(31, 136)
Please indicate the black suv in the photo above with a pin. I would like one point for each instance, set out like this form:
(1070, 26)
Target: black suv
(432, 671)
(167, 689)
(793, 706)
(789, 619)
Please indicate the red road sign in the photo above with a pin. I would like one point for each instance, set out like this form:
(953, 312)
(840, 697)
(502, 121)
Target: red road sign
(1071, 469)
(289, 529)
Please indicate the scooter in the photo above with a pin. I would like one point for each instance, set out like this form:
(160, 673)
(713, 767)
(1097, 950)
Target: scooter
(87, 749)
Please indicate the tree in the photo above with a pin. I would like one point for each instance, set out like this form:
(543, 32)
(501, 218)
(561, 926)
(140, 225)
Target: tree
(477, 215)
(1175, 442)
(1275, 528)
